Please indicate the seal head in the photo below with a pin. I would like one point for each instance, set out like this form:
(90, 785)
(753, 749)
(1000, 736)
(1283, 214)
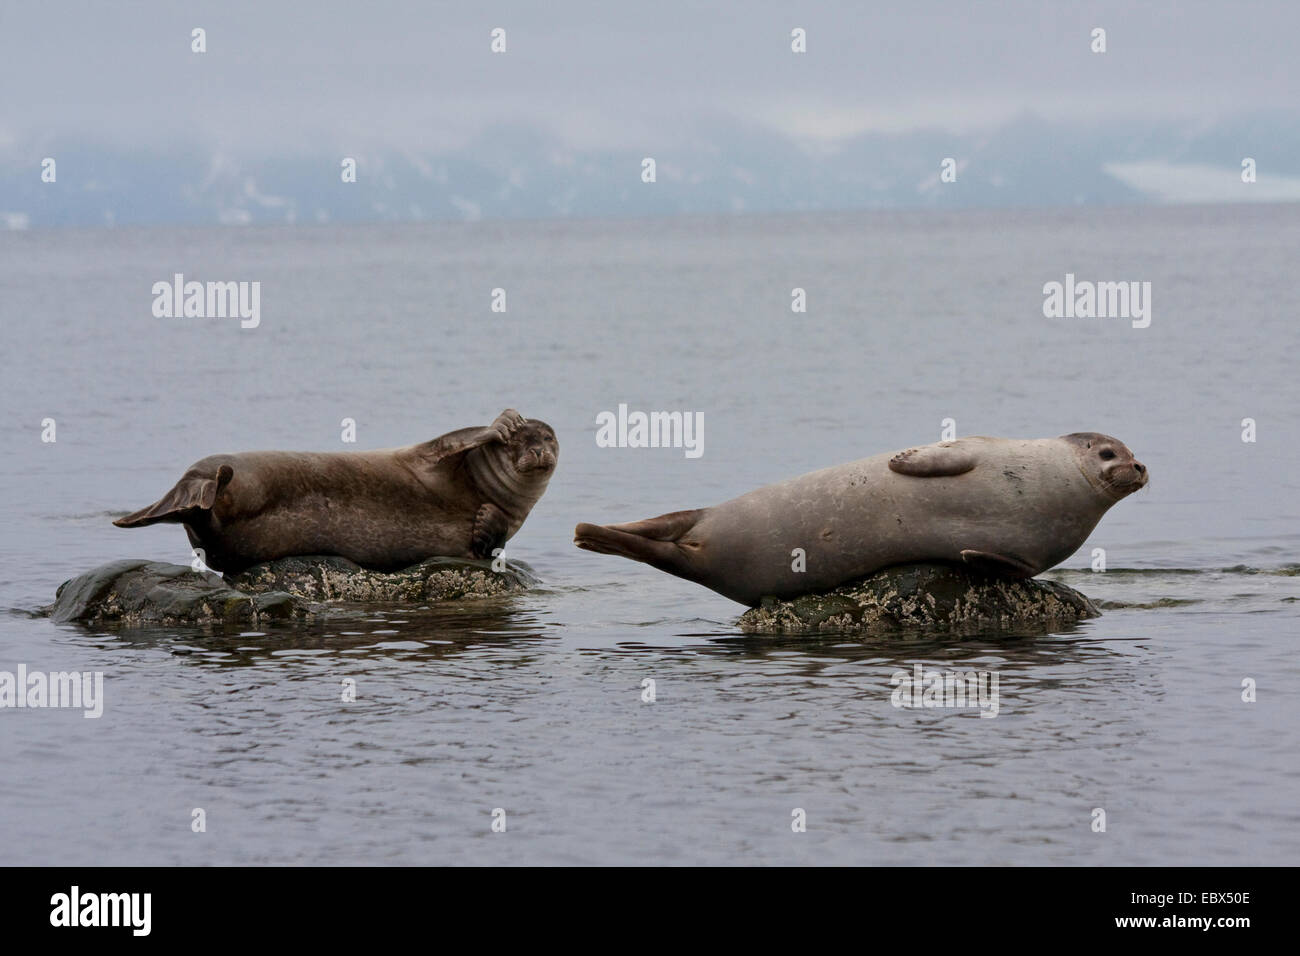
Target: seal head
(513, 474)
(1107, 463)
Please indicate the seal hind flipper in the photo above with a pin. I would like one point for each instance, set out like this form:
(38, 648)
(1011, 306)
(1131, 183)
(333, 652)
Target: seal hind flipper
(664, 555)
(1000, 565)
(192, 493)
(933, 461)
(653, 541)
(667, 527)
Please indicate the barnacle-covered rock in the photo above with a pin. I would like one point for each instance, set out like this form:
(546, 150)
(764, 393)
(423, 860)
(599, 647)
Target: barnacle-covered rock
(140, 592)
(928, 596)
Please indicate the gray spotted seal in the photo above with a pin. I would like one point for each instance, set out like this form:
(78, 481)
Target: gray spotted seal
(1006, 506)
(463, 494)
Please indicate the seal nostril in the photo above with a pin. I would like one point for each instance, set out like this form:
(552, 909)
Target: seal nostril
(1141, 468)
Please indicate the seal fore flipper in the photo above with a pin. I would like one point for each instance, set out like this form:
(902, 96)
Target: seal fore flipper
(192, 493)
(933, 461)
(1000, 565)
(491, 528)
(464, 439)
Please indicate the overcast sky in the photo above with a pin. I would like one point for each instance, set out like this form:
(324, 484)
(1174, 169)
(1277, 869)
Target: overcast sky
(403, 73)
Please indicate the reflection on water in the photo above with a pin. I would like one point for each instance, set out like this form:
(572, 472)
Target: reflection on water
(400, 632)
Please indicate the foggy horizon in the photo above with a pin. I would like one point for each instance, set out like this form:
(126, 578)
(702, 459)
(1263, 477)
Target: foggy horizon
(253, 128)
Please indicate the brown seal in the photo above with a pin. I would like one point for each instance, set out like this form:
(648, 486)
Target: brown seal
(462, 495)
(1006, 506)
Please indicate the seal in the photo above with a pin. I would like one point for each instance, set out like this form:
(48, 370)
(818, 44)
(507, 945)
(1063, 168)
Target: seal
(1008, 507)
(461, 495)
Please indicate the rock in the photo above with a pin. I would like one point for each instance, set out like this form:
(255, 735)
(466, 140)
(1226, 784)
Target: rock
(138, 592)
(149, 592)
(322, 578)
(930, 596)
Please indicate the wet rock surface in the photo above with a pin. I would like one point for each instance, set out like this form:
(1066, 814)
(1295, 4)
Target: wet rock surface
(930, 596)
(141, 592)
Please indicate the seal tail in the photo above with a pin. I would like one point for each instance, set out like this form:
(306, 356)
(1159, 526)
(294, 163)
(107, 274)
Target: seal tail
(653, 541)
(192, 493)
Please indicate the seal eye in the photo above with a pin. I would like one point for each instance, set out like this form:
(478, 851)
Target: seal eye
(1107, 455)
